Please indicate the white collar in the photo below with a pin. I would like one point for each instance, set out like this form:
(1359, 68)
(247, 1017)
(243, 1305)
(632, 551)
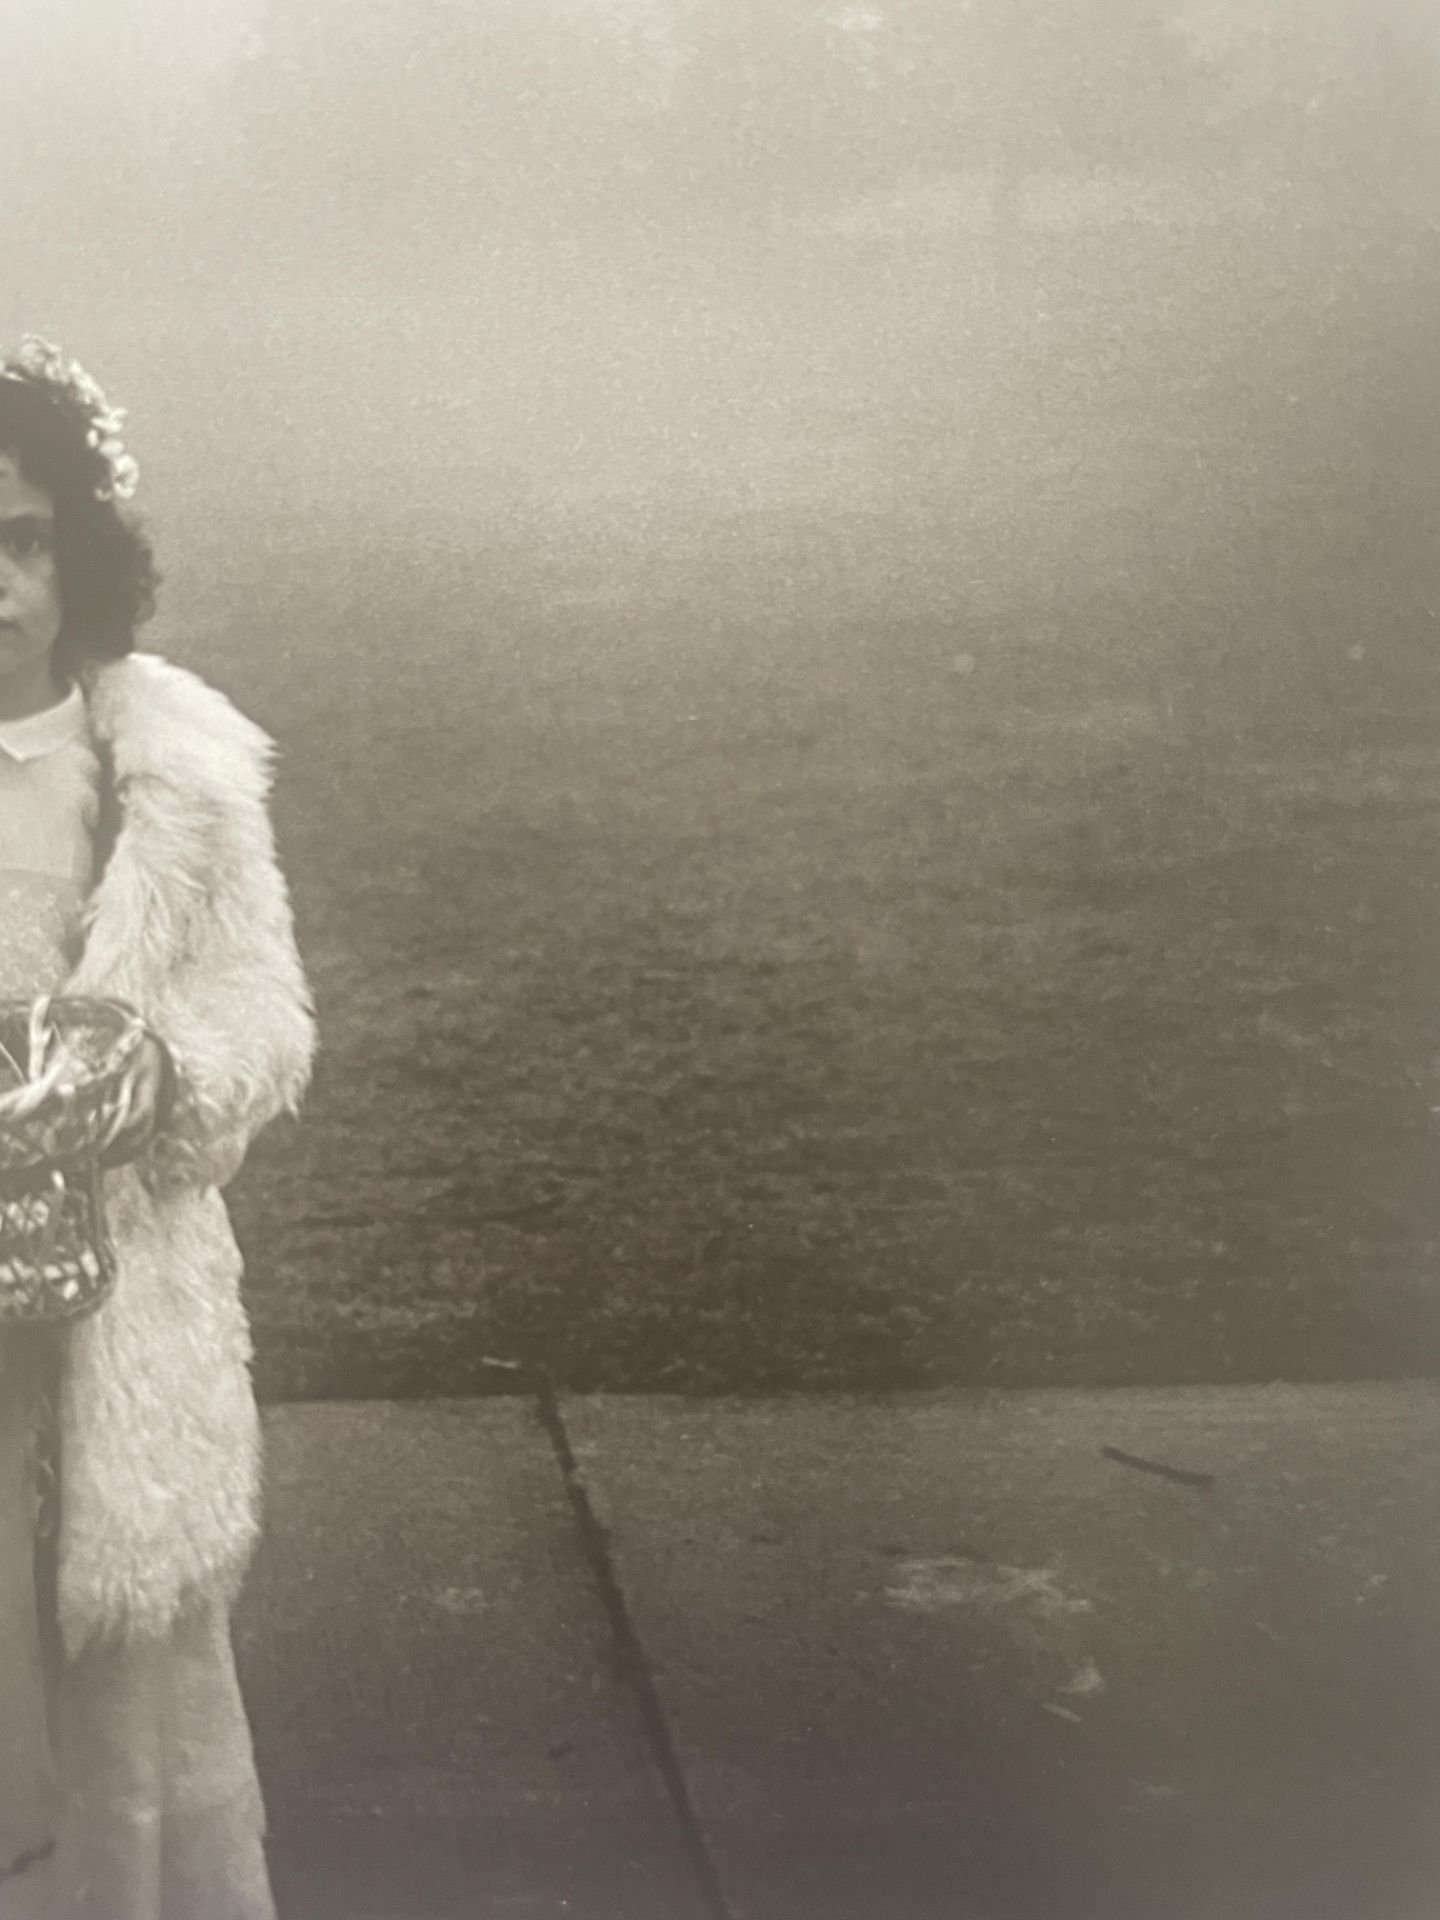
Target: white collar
(41, 733)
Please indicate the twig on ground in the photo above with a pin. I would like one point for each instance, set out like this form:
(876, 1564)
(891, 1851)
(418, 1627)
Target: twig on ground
(1183, 1474)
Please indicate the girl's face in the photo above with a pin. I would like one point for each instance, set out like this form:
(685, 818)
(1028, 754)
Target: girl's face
(30, 612)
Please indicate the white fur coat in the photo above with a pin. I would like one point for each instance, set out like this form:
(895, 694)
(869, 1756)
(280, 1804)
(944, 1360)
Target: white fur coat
(191, 924)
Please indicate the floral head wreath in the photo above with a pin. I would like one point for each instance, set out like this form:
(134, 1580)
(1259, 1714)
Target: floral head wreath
(40, 364)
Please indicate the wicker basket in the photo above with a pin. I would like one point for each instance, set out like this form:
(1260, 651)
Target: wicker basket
(57, 1261)
(56, 1258)
(76, 1121)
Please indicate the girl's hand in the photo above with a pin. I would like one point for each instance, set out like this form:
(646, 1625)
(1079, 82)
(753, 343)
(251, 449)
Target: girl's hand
(147, 1078)
(147, 1092)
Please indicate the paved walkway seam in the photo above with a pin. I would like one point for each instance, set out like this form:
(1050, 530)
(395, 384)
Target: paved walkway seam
(632, 1659)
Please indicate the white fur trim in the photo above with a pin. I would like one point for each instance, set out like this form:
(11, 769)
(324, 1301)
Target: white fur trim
(191, 924)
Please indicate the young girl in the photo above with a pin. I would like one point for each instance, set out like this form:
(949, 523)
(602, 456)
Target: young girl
(136, 863)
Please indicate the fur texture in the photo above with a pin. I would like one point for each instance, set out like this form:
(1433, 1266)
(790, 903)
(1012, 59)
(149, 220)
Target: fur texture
(191, 924)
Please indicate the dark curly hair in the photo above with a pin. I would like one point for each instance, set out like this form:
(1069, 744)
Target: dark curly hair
(104, 562)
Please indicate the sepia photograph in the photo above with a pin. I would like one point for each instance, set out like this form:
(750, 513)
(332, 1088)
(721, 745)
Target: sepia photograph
(720, 960)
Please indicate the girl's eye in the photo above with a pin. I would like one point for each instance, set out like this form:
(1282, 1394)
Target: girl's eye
(25, 542)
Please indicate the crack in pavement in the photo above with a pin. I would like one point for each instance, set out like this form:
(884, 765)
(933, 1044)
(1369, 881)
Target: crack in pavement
(631, 1659)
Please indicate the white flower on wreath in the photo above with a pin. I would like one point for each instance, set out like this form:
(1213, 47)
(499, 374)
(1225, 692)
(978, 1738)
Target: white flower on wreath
(41, 361)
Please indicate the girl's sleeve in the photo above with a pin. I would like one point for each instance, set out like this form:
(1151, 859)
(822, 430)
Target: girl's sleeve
(237, 1020)
(221, 984)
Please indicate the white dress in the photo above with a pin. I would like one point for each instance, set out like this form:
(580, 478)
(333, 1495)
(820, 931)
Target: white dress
(132, 1787)
(47, 805)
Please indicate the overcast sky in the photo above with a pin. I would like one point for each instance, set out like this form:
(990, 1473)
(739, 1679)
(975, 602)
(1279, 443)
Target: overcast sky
(739, 251)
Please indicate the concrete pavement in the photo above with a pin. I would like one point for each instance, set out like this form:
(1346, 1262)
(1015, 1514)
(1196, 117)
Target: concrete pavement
(919, 1657)
(439, 1724)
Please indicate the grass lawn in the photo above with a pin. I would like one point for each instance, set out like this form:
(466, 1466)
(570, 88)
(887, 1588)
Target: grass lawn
(849, 1004)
